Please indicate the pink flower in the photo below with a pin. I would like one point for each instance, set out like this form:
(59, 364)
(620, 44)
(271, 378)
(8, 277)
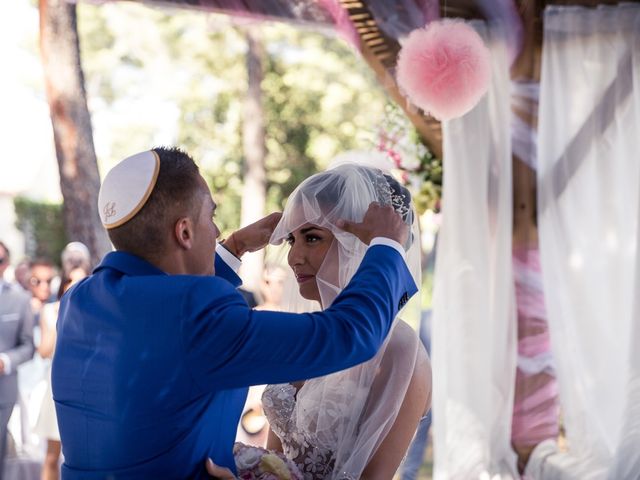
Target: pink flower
(444, 68)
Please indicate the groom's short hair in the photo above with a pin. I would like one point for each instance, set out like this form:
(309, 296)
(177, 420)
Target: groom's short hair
(175, 194)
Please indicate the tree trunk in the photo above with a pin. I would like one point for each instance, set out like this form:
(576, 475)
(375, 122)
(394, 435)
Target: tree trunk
(72, 132)
(254, 176)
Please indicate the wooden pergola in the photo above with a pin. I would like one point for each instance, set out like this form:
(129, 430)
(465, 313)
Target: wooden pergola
(379, 47)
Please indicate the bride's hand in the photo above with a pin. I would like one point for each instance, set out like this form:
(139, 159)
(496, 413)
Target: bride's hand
(378, 221)
(252, 237)
(219, 472)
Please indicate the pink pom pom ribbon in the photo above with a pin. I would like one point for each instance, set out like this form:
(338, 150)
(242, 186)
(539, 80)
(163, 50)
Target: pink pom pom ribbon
(444, 68)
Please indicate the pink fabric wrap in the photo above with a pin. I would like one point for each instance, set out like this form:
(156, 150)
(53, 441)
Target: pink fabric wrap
(343, 24)
(536, 407)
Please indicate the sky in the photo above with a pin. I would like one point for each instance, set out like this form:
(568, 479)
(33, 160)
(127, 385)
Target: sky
(28, 163)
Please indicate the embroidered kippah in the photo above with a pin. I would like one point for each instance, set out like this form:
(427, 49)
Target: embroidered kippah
(127, 187)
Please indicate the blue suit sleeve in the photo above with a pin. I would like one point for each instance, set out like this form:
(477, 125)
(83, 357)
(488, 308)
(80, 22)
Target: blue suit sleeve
(226, 272)
(228, 345)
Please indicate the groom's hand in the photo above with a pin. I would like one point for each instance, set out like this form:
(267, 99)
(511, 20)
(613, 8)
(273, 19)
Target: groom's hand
(219, 472)
(252, 237)
(378, 221)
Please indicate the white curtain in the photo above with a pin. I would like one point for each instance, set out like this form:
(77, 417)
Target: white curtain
(474, 332)
(588, 208)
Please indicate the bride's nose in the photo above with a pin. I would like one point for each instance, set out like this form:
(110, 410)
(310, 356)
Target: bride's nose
(296, 255)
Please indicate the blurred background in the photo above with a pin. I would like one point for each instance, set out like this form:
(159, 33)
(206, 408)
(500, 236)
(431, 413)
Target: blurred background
(259, 104)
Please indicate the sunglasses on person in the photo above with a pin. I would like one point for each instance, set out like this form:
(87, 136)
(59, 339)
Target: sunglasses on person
(35, 282)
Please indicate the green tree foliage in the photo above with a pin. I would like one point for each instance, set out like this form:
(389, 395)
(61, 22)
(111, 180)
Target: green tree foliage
(320, 97)
(43, 228)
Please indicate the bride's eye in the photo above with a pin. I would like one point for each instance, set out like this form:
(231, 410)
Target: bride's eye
(290, 239)
(313, 238)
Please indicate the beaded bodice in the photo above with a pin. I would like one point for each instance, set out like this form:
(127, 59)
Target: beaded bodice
(314, 461)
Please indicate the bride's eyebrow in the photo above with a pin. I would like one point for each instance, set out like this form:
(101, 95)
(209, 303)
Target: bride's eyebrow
(304, 231)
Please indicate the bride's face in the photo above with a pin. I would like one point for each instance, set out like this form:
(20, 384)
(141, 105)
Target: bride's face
(309, 245)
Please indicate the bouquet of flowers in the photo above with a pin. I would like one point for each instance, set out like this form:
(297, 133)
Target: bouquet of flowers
(255, 463)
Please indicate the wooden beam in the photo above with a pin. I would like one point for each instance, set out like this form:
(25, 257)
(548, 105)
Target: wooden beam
(466, 9)
(588, 3)
(597, 123)
(381, 53)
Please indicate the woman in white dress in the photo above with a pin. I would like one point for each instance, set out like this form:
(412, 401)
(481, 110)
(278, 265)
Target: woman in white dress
(357, 423)
(46, 426)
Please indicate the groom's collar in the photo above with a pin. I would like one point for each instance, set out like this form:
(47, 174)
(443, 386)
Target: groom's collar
(129, 264)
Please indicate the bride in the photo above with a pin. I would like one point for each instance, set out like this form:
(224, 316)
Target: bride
(357, 423)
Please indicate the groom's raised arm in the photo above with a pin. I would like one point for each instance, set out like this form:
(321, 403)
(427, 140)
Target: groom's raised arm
(228, 345)
(248, 239)
(227, 266)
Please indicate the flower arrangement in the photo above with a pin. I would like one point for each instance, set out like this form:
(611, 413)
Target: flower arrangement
(419, 170)
(256, 463)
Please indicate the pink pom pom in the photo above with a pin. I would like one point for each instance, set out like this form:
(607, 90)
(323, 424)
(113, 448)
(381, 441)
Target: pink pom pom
(444, 68)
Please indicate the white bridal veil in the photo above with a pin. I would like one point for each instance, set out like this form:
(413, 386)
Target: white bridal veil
(350, 412)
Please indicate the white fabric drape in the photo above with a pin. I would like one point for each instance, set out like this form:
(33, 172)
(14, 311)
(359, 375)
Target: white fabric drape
(588, 208)
(474, 333)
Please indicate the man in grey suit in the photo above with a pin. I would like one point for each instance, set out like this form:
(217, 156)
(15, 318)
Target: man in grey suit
(16, 345)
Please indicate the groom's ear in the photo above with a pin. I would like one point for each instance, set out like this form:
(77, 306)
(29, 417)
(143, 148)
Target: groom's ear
(183, 232)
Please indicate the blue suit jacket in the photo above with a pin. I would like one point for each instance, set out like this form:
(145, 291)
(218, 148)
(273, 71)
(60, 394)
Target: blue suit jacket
(151, 370)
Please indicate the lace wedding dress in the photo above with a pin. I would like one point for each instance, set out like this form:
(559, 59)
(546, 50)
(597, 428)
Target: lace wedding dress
(342, 418)
(315, 462)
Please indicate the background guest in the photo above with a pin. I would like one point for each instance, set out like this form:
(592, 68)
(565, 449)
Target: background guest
(47, 424)
(16, 345)
(22, 273)
(272, 288)
(42, 274)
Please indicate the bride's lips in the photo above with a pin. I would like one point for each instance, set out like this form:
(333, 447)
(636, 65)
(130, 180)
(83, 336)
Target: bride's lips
(303, 278)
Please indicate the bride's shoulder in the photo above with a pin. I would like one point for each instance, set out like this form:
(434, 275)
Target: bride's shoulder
(403, 336)
(404, 342)
(407, 353)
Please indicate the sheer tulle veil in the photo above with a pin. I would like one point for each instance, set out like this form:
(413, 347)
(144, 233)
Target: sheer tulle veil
(351, 412)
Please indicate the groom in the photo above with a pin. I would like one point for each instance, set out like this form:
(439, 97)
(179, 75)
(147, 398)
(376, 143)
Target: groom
(155, 353)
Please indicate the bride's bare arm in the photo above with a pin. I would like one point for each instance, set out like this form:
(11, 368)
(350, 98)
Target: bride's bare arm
(415, 405)
(273, 442)
(48, 332)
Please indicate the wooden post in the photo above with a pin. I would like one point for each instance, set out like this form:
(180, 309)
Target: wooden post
(526, 68)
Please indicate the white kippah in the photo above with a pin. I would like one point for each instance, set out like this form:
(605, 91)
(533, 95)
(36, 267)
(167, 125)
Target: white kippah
(127, 187)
